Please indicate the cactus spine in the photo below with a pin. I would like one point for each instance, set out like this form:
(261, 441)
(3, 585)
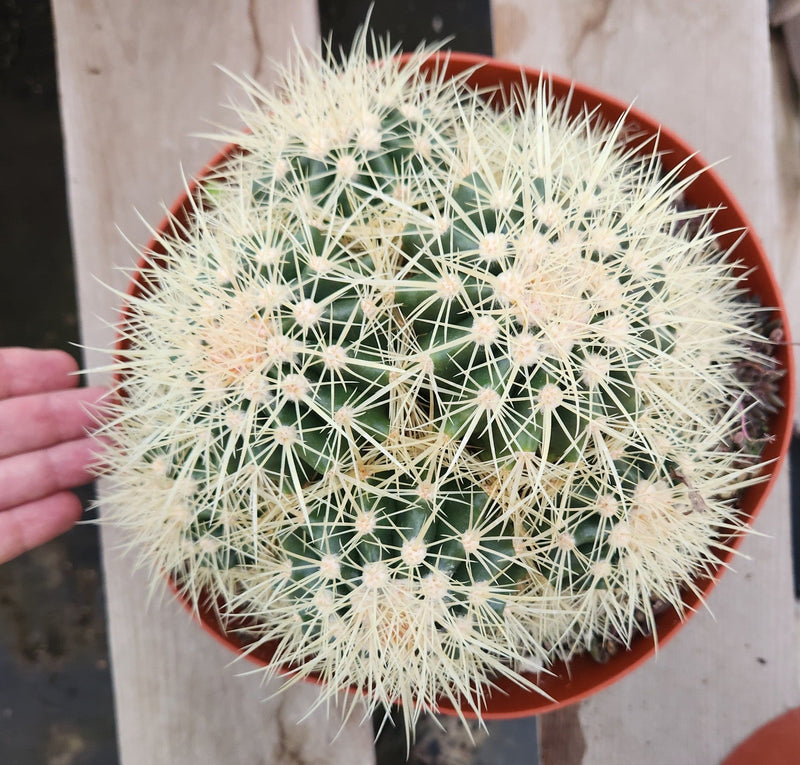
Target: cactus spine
(434, 392)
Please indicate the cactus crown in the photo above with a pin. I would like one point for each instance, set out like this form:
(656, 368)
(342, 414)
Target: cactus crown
(431, 390)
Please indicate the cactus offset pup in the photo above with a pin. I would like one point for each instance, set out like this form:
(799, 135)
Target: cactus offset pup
(431, 391)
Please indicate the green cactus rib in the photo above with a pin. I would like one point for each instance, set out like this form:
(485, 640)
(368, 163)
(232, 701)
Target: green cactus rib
(390, 530)
(431, 391)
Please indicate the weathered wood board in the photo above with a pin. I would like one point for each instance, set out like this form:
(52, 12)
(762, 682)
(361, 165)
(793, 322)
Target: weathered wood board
(703, 69)
(137, 80)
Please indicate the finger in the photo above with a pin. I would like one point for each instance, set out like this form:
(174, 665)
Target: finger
(24, 371)
(28, 477)
(28, 423)
(24, 527)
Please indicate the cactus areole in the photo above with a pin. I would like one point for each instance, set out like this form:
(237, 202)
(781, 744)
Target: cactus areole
(431, 383)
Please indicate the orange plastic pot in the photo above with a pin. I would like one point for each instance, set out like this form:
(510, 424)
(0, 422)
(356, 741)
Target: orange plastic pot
(585, 676)
(776, 743)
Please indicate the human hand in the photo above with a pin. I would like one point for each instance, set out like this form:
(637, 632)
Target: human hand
(44, 450)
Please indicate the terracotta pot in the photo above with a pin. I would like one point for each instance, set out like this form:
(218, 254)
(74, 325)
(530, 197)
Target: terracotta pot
(585, 676)
(776, 743)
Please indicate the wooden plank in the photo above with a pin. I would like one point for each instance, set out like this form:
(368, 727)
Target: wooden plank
(786, 66)
(702, 69)
(137, 79)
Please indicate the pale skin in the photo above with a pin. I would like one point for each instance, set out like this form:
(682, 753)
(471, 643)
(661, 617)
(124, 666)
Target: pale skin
(44, 449)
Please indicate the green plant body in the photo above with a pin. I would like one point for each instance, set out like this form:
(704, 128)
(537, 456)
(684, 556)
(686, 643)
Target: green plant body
(434, 392)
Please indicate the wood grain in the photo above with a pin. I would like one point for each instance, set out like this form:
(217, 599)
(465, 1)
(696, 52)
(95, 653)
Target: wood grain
(137, 80)
(787, 145)
(704, 70)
